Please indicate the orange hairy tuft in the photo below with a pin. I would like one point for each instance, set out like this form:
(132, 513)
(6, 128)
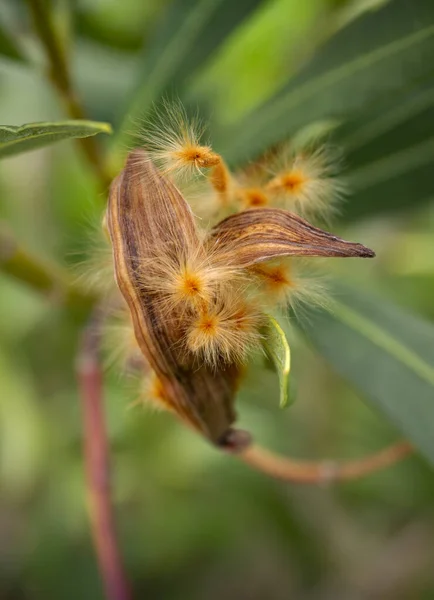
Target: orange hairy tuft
(186, 281)
(293, 181)
(252, 197)
(285, 283)
(275, 280)
(226, 332)
(152, 393)
(198, 156)
(173, 141)
(190, 285)
(305, 181)
(274, 276)
(156, 392)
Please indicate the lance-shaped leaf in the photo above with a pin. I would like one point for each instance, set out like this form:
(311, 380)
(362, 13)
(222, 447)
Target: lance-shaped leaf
(16, 139)
(257, 235)
(389, 152)
(385, 353)
(352, 70)
(148, 218)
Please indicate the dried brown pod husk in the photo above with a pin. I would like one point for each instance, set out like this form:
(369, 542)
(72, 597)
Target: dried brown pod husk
(146, 216)
(268, 233)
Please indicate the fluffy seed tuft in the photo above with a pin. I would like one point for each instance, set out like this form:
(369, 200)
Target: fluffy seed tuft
(286, 283)
(173, 141)
(225, 332)
(188, 281)
(304, 181)
(151, 393)
(252, 197)
(120, 344)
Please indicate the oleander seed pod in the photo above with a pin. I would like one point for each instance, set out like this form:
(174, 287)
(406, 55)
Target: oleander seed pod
(190, 312)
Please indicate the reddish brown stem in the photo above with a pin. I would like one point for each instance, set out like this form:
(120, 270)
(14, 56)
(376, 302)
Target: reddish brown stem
(96, 452)
(303, 471)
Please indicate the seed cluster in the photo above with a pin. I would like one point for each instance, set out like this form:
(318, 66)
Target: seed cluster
(218, 309)
(300, 177)
(209, 304)
(198, 296)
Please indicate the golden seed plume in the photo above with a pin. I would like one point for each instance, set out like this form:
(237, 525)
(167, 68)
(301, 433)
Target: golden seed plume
(154, 393)
(96, 270)
(173, 141)
(305, 181)
(252, 197)
(150, 393)
(120, 344)
(291, 283)
(226, 332)
(183, 280)
(248, 189)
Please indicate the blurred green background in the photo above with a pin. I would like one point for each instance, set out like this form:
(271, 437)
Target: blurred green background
(193, 523)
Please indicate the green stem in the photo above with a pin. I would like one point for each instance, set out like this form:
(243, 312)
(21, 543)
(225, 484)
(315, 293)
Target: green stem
(43, 278)
(59, 74)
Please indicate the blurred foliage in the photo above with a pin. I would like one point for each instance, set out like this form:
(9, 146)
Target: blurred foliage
(194, 523)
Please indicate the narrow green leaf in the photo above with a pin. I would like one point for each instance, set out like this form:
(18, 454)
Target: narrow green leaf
(190, 33)
(386, 353)
(388, 154)
(277, 349)
(9, 48)
(353, 69)
(394, 124)
(401, 180)
(17, 139)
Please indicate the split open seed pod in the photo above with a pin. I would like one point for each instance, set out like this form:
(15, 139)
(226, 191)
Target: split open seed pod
(147, 219)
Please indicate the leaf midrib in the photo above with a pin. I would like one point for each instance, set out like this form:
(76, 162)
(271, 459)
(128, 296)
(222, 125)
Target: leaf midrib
(95, 129)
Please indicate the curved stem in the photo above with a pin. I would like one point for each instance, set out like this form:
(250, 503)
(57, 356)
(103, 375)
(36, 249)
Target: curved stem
(304, 471)
(60, 76)
(96, 451)
(44, 278)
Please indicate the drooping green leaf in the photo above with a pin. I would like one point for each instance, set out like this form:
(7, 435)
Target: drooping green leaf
(388, 154)
(278, 351)
(386, 353)
(390, 126)
(17, 139)
(8, 47)
(191, 32)
(397, 181)
(379, 53)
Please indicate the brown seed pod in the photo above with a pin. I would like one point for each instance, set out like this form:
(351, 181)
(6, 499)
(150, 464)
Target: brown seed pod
(148, 217)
